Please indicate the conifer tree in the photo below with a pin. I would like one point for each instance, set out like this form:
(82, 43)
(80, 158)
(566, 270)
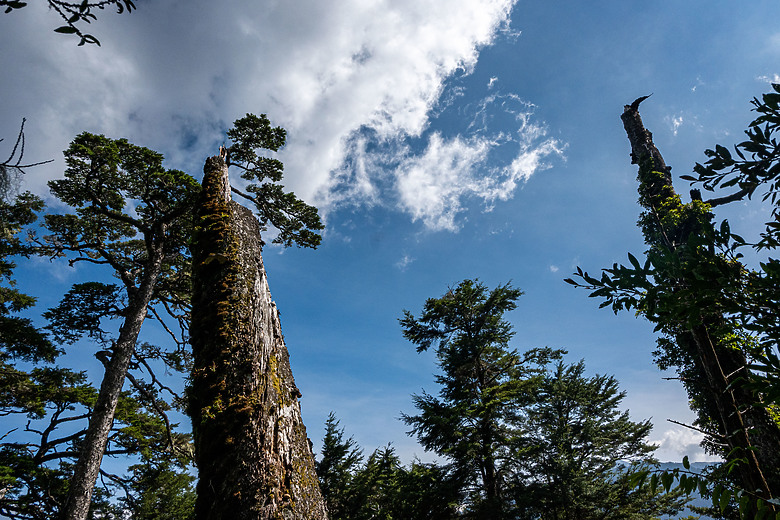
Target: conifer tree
(131, 215)
(579, 453)
(336, 468)
(484, 385)
(380, 487)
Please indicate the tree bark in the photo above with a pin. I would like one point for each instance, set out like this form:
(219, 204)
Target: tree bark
(747, 428)
(254, 459)
(91, 451)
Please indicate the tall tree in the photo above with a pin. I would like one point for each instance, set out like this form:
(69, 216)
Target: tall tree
(131, 215)
(484, 385)
(580, 452)
(428, 491)
(384, 489)
(253, 457)
(703, 299)
(339, 461)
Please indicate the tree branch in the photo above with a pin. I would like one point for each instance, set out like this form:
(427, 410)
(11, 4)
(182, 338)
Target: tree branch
(729, 198)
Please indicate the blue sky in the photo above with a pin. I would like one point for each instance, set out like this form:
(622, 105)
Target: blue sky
(442, 140)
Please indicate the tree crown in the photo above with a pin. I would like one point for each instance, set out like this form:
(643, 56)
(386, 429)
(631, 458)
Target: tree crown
(297, 222)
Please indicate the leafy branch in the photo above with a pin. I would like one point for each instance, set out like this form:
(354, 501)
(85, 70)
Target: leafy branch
(298, 223)
(73, 13)
(750, 505)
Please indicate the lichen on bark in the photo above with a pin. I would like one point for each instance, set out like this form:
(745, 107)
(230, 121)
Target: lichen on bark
(254, 459)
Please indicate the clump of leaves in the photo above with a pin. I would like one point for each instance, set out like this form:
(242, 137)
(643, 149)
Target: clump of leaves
(297, 222)
(75, 12)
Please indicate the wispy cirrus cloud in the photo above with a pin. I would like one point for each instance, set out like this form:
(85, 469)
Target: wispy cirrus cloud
(436, 178)
(435, 185)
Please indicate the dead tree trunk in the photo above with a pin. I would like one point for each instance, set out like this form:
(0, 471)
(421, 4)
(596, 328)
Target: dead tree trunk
(254, 459)
(748, 430)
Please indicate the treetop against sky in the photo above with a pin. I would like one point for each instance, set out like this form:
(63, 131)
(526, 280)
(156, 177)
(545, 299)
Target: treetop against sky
(442, 141)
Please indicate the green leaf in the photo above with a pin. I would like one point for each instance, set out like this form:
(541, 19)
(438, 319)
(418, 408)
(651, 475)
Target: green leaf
(634, 262)
(723, 500)
(65, 29)
(667, 479)
(744, 501)
(716, 495)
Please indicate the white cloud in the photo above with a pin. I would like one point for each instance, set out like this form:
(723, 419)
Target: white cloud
(699, 83)
(775, 78)
(173, 75)
(353, 83)
(432, 185)
(677, 443)
(554, 268)
(435, 185)
(674, 122)
(404, 262)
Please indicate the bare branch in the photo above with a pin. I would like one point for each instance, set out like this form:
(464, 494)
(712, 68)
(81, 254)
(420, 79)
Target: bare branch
(176, 339)
(729, 198)
(708, 434)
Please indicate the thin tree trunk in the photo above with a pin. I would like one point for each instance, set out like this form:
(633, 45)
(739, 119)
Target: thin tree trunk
(102, 418)
(254, 459)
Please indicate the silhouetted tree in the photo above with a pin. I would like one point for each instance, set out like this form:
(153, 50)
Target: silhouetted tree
(712, 310)
(484, 386)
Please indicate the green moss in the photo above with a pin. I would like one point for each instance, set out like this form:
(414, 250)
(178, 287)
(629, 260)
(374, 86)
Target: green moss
(221, 322)
(273, 373)
(215, 250)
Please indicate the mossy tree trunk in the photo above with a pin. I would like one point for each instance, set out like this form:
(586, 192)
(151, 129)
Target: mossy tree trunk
(253, 456)
(718, 381)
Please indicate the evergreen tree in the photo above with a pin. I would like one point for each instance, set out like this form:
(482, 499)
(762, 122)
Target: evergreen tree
(131, 215)
(295, 221)
(158, 490)
(336, 469)
(484, 387)
(381, 487)
(428, 492)
(377, 485)
(580, 453)
(45, 406)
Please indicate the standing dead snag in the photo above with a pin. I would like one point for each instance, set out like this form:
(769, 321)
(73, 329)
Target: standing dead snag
(253, 456)
(687, 303)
